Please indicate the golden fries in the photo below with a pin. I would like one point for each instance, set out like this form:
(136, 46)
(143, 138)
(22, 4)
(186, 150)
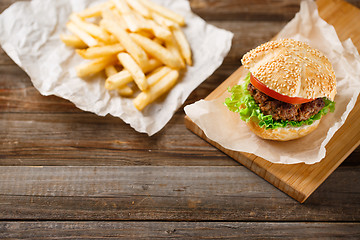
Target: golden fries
(94, 66)
(129, 64)
(162, 20)
(122, 6)
(90, 28)
(161, 87)
(95, 11)
(183, 44)
(159, 31)
(110, 71)
(84, 36)
(138, 7)
(151, 65)
(167, 13)
(157, 51)
(174, 49)
(131, 47)
(138, 44)
(127, 15)
(72, 41)
(117, 80)
(108, 14)
(101, 51)
(123, 90)
(157, 74)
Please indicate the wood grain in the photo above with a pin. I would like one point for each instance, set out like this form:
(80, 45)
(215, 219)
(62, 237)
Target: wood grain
(216, 193)
(180, 230)
(36, 128)
(104, 180)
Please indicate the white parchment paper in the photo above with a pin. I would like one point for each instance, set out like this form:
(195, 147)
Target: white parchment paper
(226, 128)
(29, 34)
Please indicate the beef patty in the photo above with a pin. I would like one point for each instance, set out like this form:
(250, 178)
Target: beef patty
(285, 111)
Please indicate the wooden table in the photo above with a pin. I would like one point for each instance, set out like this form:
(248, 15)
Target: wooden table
(65, 173)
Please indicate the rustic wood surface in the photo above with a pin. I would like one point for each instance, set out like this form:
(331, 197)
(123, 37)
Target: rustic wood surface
(65, 173)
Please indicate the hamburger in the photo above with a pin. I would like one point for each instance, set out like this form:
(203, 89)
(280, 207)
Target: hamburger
(289, 88)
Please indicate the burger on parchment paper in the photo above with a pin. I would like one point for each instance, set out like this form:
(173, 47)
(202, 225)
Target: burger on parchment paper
(289, 88)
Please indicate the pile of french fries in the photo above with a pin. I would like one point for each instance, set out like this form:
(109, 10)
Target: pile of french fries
(139, 45)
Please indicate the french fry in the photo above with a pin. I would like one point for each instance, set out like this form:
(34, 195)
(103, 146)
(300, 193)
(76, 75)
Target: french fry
(144, 26)
(124, 77)
(159, 31)
(157, 51)
(125, 90)
(94, 66)
(131, 47)
(158, 41)
(84, 36)
(155, 76)
(118, 80)
(131, 21)
(110, 71)
(146, 34)
(96, 10)
(97, 52)
(138, 7)
(122, 6)
(162, 20)
(153, 93)
(174, 49)
(164, 12)
(112, 40)
(72, 41)
(136, 72)
(151, 65)
(133, 24)
(90, 28)
(183, 44)
(114, 16)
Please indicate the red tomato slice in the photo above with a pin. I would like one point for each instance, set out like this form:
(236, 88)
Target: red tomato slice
(271, 93)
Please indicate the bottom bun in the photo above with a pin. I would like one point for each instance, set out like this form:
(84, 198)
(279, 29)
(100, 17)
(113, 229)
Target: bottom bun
(282, 134)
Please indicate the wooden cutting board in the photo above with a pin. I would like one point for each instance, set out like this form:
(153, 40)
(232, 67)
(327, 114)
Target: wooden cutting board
(300, 180)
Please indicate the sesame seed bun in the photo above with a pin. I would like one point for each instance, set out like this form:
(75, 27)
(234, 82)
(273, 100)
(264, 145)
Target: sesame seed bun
(282, 134)
(292, 68)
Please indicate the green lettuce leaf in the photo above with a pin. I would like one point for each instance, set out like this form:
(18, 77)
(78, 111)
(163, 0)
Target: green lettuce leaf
(251, 110)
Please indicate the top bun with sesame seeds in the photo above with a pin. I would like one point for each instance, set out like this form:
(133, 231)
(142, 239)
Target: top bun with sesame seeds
(292, 68)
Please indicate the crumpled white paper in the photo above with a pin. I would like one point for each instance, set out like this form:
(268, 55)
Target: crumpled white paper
(29, 34)
(226, 128)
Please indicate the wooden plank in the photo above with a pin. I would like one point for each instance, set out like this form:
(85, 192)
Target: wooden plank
(50, 139)
(271, 10)
(241, 10)
(18, 94)
(246, 10)
(232, 10)
(178, 230)
(230, 193)
(300, 180)
(6, 3)
(74, 139)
